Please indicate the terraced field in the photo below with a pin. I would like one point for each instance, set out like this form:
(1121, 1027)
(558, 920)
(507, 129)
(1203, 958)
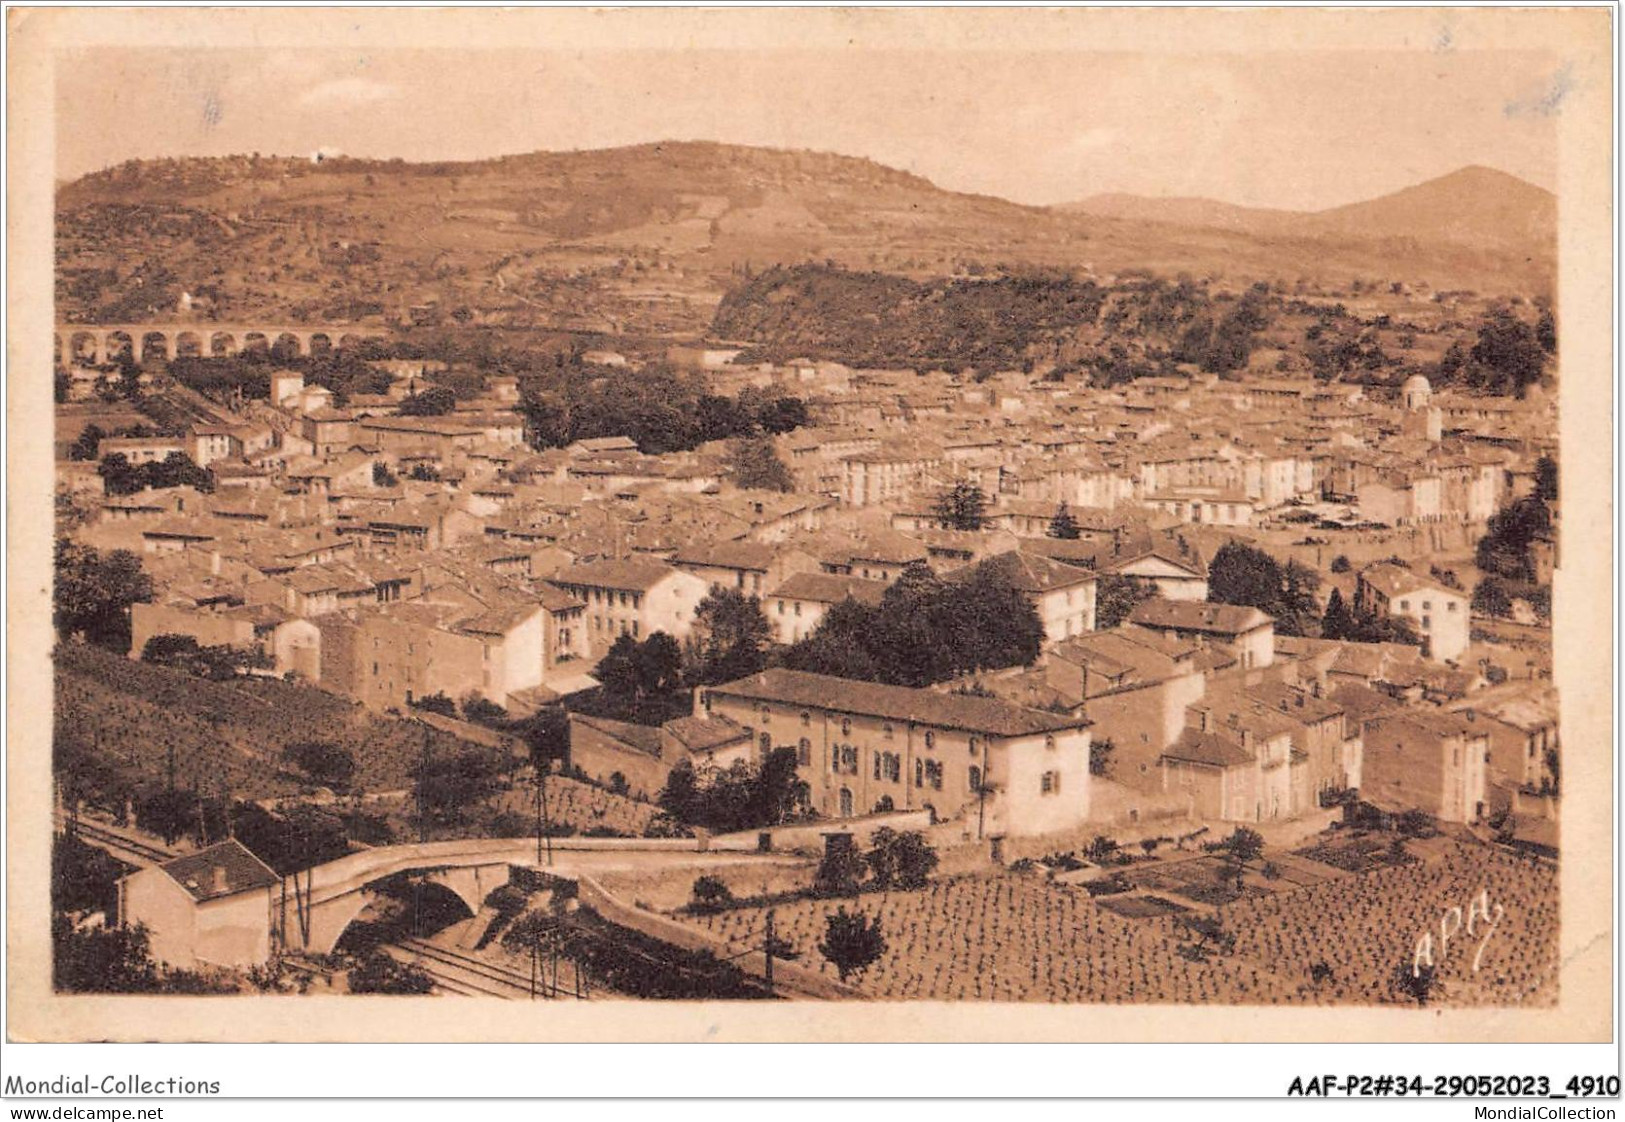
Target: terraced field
(224, 734)
(1021, 938)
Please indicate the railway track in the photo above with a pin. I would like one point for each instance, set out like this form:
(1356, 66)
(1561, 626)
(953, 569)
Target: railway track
(468, 975)
(119, 844)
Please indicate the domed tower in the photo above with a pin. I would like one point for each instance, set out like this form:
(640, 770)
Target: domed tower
(1422, 418)
(1418, 394)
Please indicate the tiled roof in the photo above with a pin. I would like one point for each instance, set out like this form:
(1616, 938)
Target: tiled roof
(1212, 749)
(899, 703)
(1031, 572)
(1197, 615)
(1391, 580)
(728, 555)
(700, 734)
(635, 576)
(829, 588)
(223, 869)
(643, 738)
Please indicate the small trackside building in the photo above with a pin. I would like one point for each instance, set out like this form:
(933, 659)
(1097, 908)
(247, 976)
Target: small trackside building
(214, 907)
(1003, 769)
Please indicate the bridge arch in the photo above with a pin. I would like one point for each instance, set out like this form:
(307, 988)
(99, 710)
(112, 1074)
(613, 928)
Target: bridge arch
(222, 343)
(84, 346)
(116, 343)
(321, 344)
(285, 346)
(189, 344)
(440, 902)
(155, 342)
(256, 342)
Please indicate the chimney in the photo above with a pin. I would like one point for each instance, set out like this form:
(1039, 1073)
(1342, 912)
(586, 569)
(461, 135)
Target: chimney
(219, 881)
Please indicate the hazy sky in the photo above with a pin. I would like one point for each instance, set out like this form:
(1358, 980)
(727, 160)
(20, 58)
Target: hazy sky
(1300, 130)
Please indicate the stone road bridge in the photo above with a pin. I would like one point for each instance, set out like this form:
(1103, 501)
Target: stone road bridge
(313, 907)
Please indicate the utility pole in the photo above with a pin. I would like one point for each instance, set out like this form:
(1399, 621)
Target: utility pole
(541, 821)
(767, 947)
(423, 829)
(543, 830)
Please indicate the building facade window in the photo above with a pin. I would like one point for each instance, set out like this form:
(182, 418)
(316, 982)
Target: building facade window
(803, 752)
(930, 740)
(1049, 783)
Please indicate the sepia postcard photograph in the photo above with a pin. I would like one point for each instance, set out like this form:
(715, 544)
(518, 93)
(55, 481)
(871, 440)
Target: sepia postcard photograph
(883, 524)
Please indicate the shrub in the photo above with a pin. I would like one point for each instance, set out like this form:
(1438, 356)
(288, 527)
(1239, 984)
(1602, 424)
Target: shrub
(711, 894)
(483, 712)
(378, 973)
(852, 942)
(903, 861)
(841, 869)
(437, 703)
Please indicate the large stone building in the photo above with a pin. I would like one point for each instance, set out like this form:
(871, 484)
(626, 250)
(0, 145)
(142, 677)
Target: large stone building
(1440, 615)
(1003, 769)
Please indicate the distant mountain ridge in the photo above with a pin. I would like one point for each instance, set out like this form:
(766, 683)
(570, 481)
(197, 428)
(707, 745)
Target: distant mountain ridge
(1476, 207)
(647, 238)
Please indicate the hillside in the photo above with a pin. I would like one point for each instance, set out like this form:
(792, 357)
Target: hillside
(643, 239)
(1182, 211)
(1476, 207)
(1476, 210)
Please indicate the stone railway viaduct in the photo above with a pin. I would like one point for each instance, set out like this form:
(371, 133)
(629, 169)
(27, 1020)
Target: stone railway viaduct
(96, 343)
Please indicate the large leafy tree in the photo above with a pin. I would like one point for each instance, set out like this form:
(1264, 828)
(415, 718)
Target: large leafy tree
(1063, 525)
(1504, 548)
(120, 477)
(1241, 574)
(926, 630)
(1338, 621)
(962, 507)
(1116, 597)
(755, 465)
(745, 796)
(434, 401)
(93, 593)
(640, 680)
(730, 637)
(1508, 356)
(1546, 479)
